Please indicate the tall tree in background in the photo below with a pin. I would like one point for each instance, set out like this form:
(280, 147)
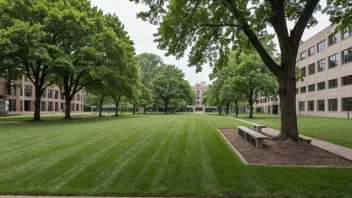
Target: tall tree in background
(169, 84)
(209, 27)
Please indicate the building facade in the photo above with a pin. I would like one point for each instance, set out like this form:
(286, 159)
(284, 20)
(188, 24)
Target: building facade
(199, 90)
(52, 101)
(325, 61)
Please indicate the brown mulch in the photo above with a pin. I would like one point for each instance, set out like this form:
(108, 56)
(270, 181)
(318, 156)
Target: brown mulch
(287, 153)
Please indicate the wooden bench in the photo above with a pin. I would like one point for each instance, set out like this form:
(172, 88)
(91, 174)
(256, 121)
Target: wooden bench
(258, 127)
(250, 134)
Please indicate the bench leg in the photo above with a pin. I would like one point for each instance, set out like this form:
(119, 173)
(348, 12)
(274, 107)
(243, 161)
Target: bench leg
(259, 129)
(258, 142)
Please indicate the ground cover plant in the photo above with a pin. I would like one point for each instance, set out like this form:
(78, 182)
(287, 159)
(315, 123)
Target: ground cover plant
(147, 155)
(334, 130)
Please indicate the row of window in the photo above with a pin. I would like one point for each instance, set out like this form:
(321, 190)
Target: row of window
(347, 80)
(11, 91)
(332, 39)
(332, 62)
(265, 100)
(332, 105)
(51, 106)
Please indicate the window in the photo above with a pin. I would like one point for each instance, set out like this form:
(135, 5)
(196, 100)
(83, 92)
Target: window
(44, 93)
(346, 104)
(311, 51)
(311, 88)
(56, 94)
(332, 104)
(12, 105)
(72, 105)
(333, 61)
(333, 83)
(311, 69)
(346, 55)
(321, 46)
(11, 90)
(197, 102)
(321, 105)
(321, 86)
(62, 107)
(303, 55)
(42, 106)
(50, 106)
(78, 97)
(347, 80)
(303, 71)
(311, 105)
(50, 93)
(197, 92)
(303, 89)
(27, 91)
(56, 106)
(302, 106)
(296, 90)
(62, 96)
(333, 39)
(197, 97)
(77, 107)
(346, 33)
(321, 65)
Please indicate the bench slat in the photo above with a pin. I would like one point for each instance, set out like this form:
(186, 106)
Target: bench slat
(252, 133)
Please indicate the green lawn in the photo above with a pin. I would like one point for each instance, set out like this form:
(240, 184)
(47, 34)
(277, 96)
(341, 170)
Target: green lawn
(334, 130)
(147, 155)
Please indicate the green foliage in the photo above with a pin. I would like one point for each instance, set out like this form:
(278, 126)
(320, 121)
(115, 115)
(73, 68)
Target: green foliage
(340, 12)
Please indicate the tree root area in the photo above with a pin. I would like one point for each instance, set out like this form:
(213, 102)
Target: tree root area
(288, 152)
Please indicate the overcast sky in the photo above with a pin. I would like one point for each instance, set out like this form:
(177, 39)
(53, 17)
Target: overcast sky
(142, 34)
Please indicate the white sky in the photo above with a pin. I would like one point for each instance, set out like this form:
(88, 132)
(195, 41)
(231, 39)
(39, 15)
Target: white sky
(142, 34)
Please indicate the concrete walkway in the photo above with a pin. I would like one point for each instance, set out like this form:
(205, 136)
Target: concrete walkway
(332, 148)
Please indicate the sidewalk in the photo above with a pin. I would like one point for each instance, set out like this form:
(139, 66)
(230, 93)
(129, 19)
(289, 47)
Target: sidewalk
(332, 148)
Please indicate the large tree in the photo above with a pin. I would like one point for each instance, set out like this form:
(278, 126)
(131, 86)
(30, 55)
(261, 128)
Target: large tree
(211, 27)
(169, 84)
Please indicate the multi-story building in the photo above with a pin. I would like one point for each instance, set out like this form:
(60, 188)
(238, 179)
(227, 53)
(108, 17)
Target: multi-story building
(52, 100)
(199, 90)
(325, 61)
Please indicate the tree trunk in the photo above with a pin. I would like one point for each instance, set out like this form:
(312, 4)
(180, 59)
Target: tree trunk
(250, 109)
(101, 105)
(227, 108)
(219, 109)
(116, 109)
(67, 108)
(38, 97)
(134, 109)
(165, 110)
(287, 93)
(144, 109)
(236, 107)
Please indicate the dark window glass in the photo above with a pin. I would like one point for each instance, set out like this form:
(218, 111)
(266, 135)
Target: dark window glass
(43, 106)
(56, 94)
(346, 55)
(347, 80)
(44, 93)
(321, 105)
(321, 86)
(50, 106)
(27, 91)
(77, 107)
(296, 90)
(11, 90)
(311, 51)
(311, 69)
(346, 33)
(302, 106)
(56, 106)
(333, 83)
(333, 61)
(50, 93)
(332, 104)
(333, 39)
(311, 105)
(311, 88)
(346, 104)
(303, 55)
(62, 96)
(321, 65)
(78, 97)
(303, 71)
(12, 105)
(321, 46)
(303, 89)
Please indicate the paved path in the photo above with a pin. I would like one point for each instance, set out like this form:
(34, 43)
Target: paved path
(332, 148)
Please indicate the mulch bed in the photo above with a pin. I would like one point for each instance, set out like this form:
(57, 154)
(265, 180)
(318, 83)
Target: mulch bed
(287, 153)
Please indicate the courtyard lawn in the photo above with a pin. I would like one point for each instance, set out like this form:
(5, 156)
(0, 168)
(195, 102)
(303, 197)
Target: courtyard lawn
(147, 155)
(43, 117)
(334, 130)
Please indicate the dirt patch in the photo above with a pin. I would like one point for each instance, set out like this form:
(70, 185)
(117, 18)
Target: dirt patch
(283, 153)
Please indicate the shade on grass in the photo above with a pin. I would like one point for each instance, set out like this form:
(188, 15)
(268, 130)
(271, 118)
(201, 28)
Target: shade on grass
(334, 130)
(155, 155)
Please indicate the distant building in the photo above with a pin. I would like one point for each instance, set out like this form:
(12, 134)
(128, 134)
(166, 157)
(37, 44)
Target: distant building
(325, 61)
(52, 100)
(199, 90)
